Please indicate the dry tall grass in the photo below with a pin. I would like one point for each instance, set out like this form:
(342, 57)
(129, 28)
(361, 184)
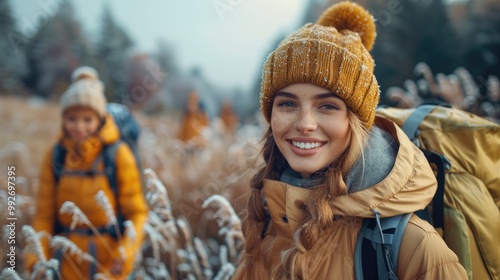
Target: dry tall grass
(458, 89)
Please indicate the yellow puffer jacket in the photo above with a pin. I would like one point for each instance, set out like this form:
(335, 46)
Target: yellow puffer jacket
(408, 187)
(81, 191)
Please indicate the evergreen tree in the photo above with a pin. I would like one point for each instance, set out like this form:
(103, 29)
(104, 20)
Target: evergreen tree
(410, 32)
(56, 49)
(482, 40)
(113, 48)
(12, 60)
(253, 104)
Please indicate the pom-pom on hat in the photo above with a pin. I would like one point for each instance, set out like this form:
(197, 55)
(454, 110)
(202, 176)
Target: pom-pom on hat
(333, 54)
(84, 72)
(85, 90)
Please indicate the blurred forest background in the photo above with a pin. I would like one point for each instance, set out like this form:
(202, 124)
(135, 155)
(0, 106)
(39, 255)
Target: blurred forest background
(445, 35)
(425, 50)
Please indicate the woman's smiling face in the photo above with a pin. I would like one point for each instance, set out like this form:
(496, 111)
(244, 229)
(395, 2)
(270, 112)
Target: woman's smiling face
(310, 126)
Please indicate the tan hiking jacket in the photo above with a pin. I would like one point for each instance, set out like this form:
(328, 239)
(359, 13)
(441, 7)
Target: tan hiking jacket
(408, 187)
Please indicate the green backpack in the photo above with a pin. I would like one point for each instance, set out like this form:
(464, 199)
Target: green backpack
(464, 151)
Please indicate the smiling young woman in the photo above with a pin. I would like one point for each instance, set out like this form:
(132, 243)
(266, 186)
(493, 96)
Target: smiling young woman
(330, 163)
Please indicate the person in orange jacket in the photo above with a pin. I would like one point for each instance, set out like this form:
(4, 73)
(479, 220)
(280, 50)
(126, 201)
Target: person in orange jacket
(194, 121)
(86, 130)
(330, 164)
(229, 118)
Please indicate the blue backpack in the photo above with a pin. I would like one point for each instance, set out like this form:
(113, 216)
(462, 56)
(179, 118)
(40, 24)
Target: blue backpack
(129, 134)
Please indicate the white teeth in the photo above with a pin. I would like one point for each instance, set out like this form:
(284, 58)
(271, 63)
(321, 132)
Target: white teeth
(306, 146)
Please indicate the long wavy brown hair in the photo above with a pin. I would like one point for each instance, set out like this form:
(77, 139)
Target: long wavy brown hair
(318, 213)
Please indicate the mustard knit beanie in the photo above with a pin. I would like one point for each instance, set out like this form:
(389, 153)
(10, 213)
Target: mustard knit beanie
(333, 54)
(85, 90)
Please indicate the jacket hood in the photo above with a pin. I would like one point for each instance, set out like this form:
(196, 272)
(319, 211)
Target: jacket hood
(391, 184)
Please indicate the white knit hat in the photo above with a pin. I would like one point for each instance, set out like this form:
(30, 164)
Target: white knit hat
(85, 90)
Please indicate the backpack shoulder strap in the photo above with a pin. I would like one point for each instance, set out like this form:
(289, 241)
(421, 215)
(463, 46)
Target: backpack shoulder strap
(410, 128)
(398, 236)
(411, 124)
(58, 157)
(379, 240)
(109, 156)
(442, 164)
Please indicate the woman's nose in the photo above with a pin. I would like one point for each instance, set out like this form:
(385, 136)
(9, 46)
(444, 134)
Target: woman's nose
(80, 125)
(306, 122)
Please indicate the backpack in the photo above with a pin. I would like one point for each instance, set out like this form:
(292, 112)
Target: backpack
(464, 151)
(129, 134)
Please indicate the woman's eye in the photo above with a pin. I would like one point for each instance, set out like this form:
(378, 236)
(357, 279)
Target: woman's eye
(329, 107)
(286, 104)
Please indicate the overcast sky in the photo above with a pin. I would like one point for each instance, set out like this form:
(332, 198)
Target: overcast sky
(228, 39)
